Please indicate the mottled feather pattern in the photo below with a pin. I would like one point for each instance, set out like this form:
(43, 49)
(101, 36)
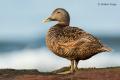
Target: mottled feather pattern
(72, 42)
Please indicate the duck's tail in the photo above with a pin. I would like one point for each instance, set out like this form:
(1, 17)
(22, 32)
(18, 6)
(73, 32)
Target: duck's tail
(106, 49)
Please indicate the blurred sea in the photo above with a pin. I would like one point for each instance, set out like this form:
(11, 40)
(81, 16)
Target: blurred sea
(8, 46)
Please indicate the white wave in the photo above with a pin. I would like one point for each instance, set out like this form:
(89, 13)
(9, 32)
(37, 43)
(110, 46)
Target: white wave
(41, 59)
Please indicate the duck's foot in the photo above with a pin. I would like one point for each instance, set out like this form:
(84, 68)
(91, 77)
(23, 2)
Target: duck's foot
(76, 69)
(62, 70)
(65, 72)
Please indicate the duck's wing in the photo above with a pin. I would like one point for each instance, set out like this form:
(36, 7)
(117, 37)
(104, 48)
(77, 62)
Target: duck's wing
(73, 37)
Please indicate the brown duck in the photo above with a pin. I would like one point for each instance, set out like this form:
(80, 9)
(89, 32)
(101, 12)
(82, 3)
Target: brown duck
(71, 42)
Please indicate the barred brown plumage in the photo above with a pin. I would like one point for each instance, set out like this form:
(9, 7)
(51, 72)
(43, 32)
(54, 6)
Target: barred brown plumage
(71, 42)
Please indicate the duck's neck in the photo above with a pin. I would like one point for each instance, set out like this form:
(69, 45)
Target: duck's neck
(63, 23)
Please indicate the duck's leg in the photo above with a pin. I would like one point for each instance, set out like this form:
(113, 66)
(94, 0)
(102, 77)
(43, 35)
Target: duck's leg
(72, 66)
(69, 71)
(76, 65)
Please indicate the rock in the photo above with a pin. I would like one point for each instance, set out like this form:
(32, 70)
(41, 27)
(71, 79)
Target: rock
(82, 74)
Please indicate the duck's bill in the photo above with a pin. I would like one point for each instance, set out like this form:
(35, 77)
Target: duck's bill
(46, 20)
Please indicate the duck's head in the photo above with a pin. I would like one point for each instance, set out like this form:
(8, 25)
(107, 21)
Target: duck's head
(60, 15)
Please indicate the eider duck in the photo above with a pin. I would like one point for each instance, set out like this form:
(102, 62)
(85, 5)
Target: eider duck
(70, 42)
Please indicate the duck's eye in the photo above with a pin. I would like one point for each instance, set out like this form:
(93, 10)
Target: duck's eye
(58, 12)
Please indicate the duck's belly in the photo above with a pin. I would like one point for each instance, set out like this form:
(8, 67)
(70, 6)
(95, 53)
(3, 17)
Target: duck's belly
(69, 53)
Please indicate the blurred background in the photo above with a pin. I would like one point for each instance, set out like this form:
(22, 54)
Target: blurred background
(22, 33)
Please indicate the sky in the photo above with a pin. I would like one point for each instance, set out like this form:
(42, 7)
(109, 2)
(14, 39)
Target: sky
(22, 19)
